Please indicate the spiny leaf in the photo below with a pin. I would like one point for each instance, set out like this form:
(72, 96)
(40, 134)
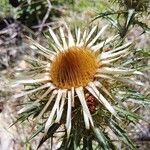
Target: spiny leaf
(68, 144)
(40, 129)
(120, 133)
(77, 139)
(87, 143)
(49, 133)
(136, 97)
(23, 117)
(131, 12)
(102, 139)
(108, 13)
(130, 115)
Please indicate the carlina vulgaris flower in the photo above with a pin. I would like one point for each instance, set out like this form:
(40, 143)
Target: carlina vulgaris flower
(72, 75)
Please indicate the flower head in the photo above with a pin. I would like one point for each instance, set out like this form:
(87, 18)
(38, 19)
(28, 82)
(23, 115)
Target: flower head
(74, 68)
(73, 81)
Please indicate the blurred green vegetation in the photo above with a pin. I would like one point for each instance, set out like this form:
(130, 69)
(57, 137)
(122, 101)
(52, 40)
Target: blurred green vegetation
(5, 8)
(32, 12)
(95, 5)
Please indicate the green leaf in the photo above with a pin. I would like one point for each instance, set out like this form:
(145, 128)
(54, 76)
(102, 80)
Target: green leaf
(77, 139)
(87, 143)
(49, 133)
(73, 142)
(136, 97)
(121, 134)
(103, 140)
(22, 117)
(68, 143)
(40, 129)
(131, 13)
(108, 13)
(129, 115)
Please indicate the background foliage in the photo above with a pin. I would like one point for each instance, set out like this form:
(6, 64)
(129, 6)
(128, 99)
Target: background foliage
(129, 18)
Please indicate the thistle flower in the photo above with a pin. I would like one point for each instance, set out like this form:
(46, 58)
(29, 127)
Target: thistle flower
(71, 89)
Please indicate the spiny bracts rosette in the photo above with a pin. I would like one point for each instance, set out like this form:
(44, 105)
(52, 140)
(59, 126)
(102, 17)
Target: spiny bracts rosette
(75, 66)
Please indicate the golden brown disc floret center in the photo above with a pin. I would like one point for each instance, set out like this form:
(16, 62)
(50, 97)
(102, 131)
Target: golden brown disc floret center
(73, 68)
